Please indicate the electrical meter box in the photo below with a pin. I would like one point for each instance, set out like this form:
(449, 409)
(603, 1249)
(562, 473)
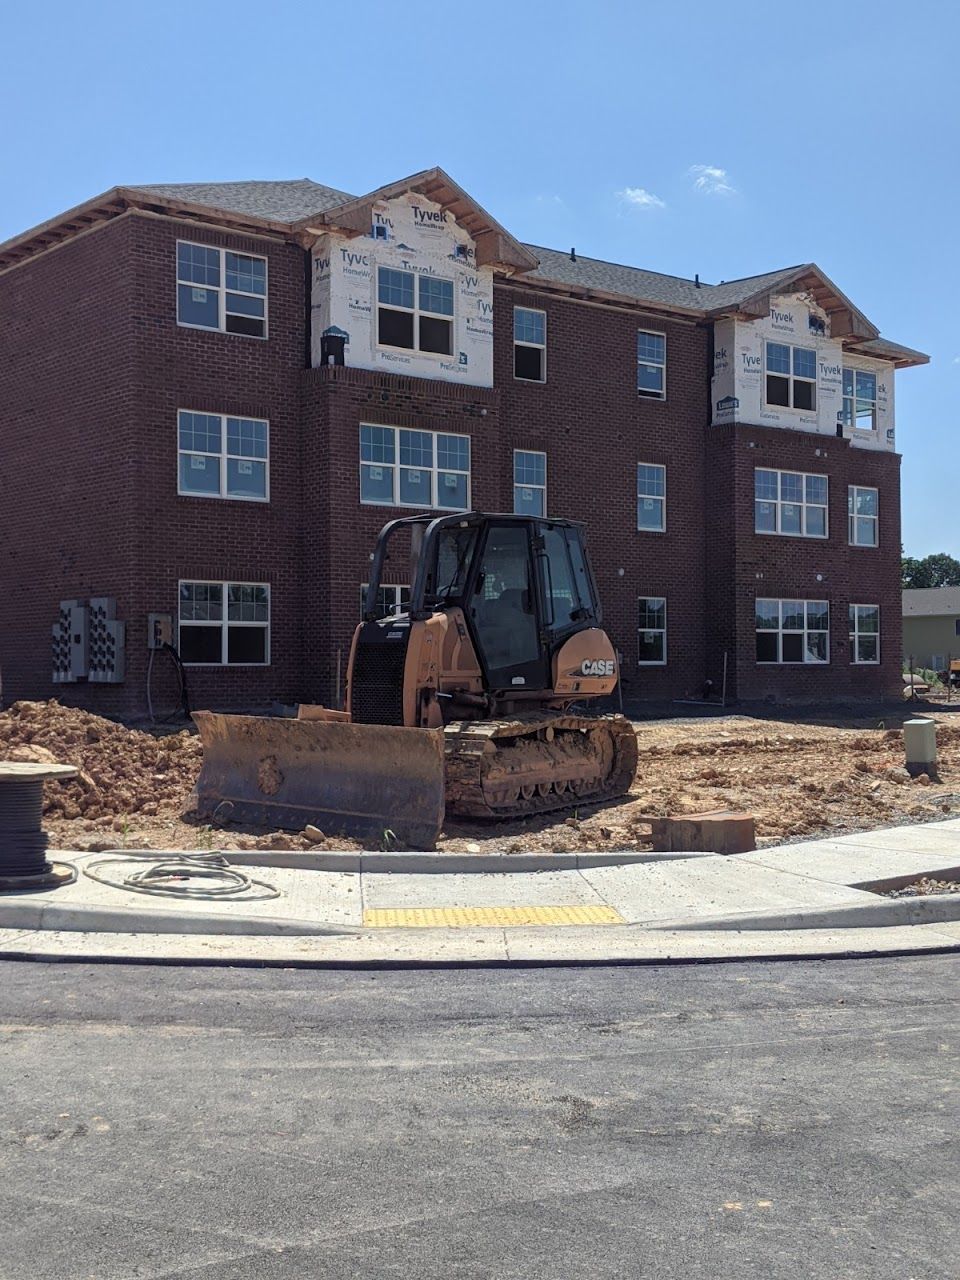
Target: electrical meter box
(106, 642)
(159, 630)
(70, 639)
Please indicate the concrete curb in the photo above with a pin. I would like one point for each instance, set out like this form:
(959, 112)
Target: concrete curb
(445, 863)
(49, 917)
(884, 914)
(435, 949)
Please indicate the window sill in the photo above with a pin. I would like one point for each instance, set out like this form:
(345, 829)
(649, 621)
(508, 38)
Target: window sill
(224, 497)
(656, 531)
(414, 506)
(413, 351)
(651, 664)
(776, 533)
(206, 328)
(864, 546)
(792, 664)
(651, 399)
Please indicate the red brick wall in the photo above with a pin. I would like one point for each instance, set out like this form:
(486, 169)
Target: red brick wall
(69, 451)
(594, 428)
(787, 567)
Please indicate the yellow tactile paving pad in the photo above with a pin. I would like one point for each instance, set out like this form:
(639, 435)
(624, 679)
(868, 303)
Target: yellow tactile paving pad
(485, 917)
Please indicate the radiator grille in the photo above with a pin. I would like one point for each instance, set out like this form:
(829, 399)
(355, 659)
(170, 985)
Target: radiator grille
(376, 694)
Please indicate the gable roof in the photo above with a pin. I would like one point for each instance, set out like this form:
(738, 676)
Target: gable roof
(494, 244)
(931, 602)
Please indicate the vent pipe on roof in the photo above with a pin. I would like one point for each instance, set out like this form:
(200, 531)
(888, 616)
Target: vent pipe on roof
(696, 279)
(573, 255)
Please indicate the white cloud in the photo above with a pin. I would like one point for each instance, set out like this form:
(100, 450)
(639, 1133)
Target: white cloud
(711, 180)
(955, 360)
(640, 198)
(545, 199)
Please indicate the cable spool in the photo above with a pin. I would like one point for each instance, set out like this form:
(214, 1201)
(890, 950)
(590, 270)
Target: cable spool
(23, 842)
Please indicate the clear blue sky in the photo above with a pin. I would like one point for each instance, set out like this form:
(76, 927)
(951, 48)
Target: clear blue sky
(827, 133)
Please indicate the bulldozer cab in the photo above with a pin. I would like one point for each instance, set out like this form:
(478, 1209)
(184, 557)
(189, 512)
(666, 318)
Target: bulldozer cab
(524, 586)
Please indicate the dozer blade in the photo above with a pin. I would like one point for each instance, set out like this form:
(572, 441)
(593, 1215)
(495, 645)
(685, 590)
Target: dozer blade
(373, 783)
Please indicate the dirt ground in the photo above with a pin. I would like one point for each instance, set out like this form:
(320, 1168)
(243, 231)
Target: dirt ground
(800, 775)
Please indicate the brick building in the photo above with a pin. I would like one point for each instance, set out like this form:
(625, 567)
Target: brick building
(213, 396)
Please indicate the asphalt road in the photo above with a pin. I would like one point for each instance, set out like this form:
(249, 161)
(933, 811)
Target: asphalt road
(748, 1120)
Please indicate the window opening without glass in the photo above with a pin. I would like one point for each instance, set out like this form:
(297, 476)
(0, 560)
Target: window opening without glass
(859, 400)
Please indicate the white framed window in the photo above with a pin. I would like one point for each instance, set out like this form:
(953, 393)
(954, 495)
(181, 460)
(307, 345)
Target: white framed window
(792, 503)
(865, 633)
(391, 598)
(651, 365)
(219, 456)
(793, 631)
(400, 467)
(863, 509)
(791, 376)
(414, 312)
(529, 345)
(651, 631)
(529, 483)
(221, 289)
(859, 400)
(651, 497)
(224, 624)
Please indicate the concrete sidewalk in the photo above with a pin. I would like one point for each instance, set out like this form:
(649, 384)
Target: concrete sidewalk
(812, 898)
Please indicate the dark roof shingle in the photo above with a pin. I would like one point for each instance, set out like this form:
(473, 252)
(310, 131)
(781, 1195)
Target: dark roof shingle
(276, 201)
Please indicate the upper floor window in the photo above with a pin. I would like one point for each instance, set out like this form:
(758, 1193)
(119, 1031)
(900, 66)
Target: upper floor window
(651, 365)
(859, 400)
(864, 633)
(529, 344)
(220, 289)
(414, 311)
(791, 376)
(793, 631)
(405, 468)
(863, 506)
(225, 623)
(651, 631)
(529, 483)
(651, 497)
(222, 457)
(790, 502)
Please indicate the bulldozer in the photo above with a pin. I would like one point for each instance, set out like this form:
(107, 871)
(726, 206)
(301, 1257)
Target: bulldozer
(466, 699)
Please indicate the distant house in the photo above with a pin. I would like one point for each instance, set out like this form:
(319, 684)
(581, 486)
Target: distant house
(931, 626)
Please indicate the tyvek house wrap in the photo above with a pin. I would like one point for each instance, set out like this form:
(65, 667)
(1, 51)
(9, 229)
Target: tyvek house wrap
(412, 234)
(739, 373)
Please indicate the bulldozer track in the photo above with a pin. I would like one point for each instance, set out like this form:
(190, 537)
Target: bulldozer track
(536, 763)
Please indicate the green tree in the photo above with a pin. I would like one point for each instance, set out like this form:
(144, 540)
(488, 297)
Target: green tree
(938, 570)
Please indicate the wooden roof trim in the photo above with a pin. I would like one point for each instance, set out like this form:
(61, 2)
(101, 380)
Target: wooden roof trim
(583, 293)
(499, 248)
(807, 278)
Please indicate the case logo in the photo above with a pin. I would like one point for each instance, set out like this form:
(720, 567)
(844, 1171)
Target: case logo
(597, 667)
